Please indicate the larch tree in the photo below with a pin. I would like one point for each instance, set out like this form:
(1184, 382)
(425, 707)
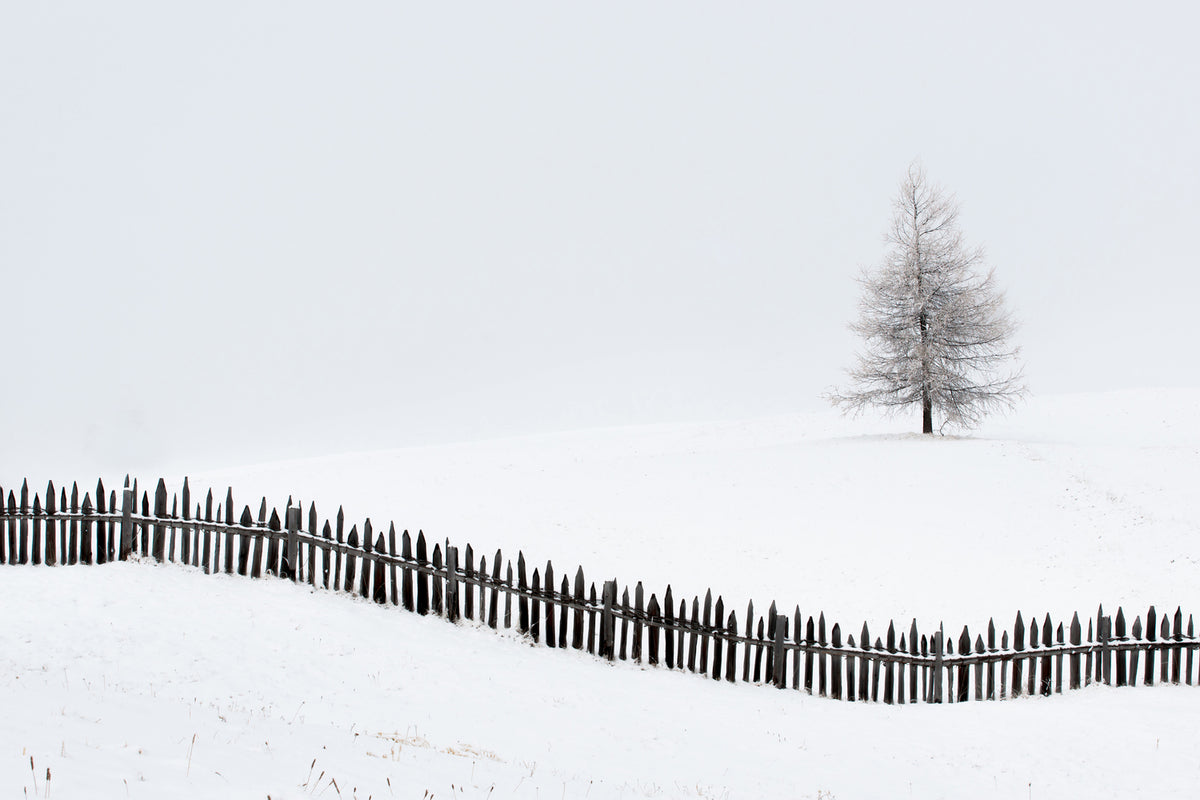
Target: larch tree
(935, 327)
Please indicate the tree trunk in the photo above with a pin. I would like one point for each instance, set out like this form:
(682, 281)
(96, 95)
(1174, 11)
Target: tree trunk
(926, 413)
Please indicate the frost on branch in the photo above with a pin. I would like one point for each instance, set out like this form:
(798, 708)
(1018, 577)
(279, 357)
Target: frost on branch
(934, 324)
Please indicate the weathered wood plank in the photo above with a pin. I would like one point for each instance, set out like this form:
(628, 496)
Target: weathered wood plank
(1151, 632)
(468, 585)
(244, 545)
(652, 625)
(669, 628)
(731, 653)
(694, 638)
(314, 532)
(638, 617)
(393, 581)
(564, 614)
(85, 544)
(160, 528)
(453, 611)
(435, 581)
(73, 540)
(522, 600)
(624, 654)
(549, 631)
(535, 622)
(508, 582)
(718, 640)
(406, 573)
(275, 525)
(580, 599)
(493, 607)
(326, 555)
(379, 592)
(351, 556)
(368, 560)
(421, 576)
(835, 663)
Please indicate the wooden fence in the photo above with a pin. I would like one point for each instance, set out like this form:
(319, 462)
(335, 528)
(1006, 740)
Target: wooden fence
(702, 637)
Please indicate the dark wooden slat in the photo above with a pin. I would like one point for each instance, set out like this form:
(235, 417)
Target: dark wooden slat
(563, 614)
(352, 550)
(453, 590)
(864, 665)
(406, 574)
(1177, 650)
(607, 620)
(1121, 670)
(592, 632)
(274, 524)
(493, 606)
(422, 578)
(185, 530)
(468, 587)
(1136, 653)
(37, 530)
(51, 552)
(393, 582)
(549, 631)
(313, 533)
(508, 581)
(718, 640)
(638, 616)
(435, 580)
(669, 628)
(822, 678)
(1164, 655)
(624, 654)
(522, 600)
(244, 545)
(1047, 678)
(810, 638)
(694, 637)
(577, 632)
(1058, 662)
(379, 591)
(835, 663)
(652, 624)
(1151, 632)
(104, 543)
(1018, 661)
(731, 653)
(749, 635)
(368, 560)
(73, 540)
(706, 621)
(206, 556)
(875, 672)
(23, 544)
(535, 622)
(798, 637)
(160, 513)
(758, 651)
(772, 613)
(778, 657)
(851, 684)
(85, 543)
(681, 617)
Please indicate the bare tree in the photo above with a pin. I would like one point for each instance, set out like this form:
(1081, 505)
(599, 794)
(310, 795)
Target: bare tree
(933, 321)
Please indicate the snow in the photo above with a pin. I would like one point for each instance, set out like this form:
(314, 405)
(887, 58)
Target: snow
(139, 680)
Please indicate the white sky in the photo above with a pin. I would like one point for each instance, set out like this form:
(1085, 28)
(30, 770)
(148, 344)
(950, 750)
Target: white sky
(240, 231)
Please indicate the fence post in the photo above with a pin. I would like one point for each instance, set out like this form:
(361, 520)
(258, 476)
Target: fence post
(293, 543)
(451, 583)
(607, 626)
(936, 688)
(126, 521)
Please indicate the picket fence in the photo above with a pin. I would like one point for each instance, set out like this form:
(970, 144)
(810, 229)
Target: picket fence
(774, 649)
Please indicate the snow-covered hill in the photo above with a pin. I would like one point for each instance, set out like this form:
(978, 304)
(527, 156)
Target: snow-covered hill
(136, 680)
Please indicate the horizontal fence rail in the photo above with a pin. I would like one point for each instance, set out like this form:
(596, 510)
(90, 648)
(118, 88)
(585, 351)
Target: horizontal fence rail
(701, 636)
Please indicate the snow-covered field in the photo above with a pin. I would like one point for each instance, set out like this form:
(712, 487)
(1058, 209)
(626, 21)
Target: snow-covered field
(154, 681)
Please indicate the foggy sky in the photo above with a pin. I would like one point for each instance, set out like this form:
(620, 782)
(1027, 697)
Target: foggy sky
(234, 232)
